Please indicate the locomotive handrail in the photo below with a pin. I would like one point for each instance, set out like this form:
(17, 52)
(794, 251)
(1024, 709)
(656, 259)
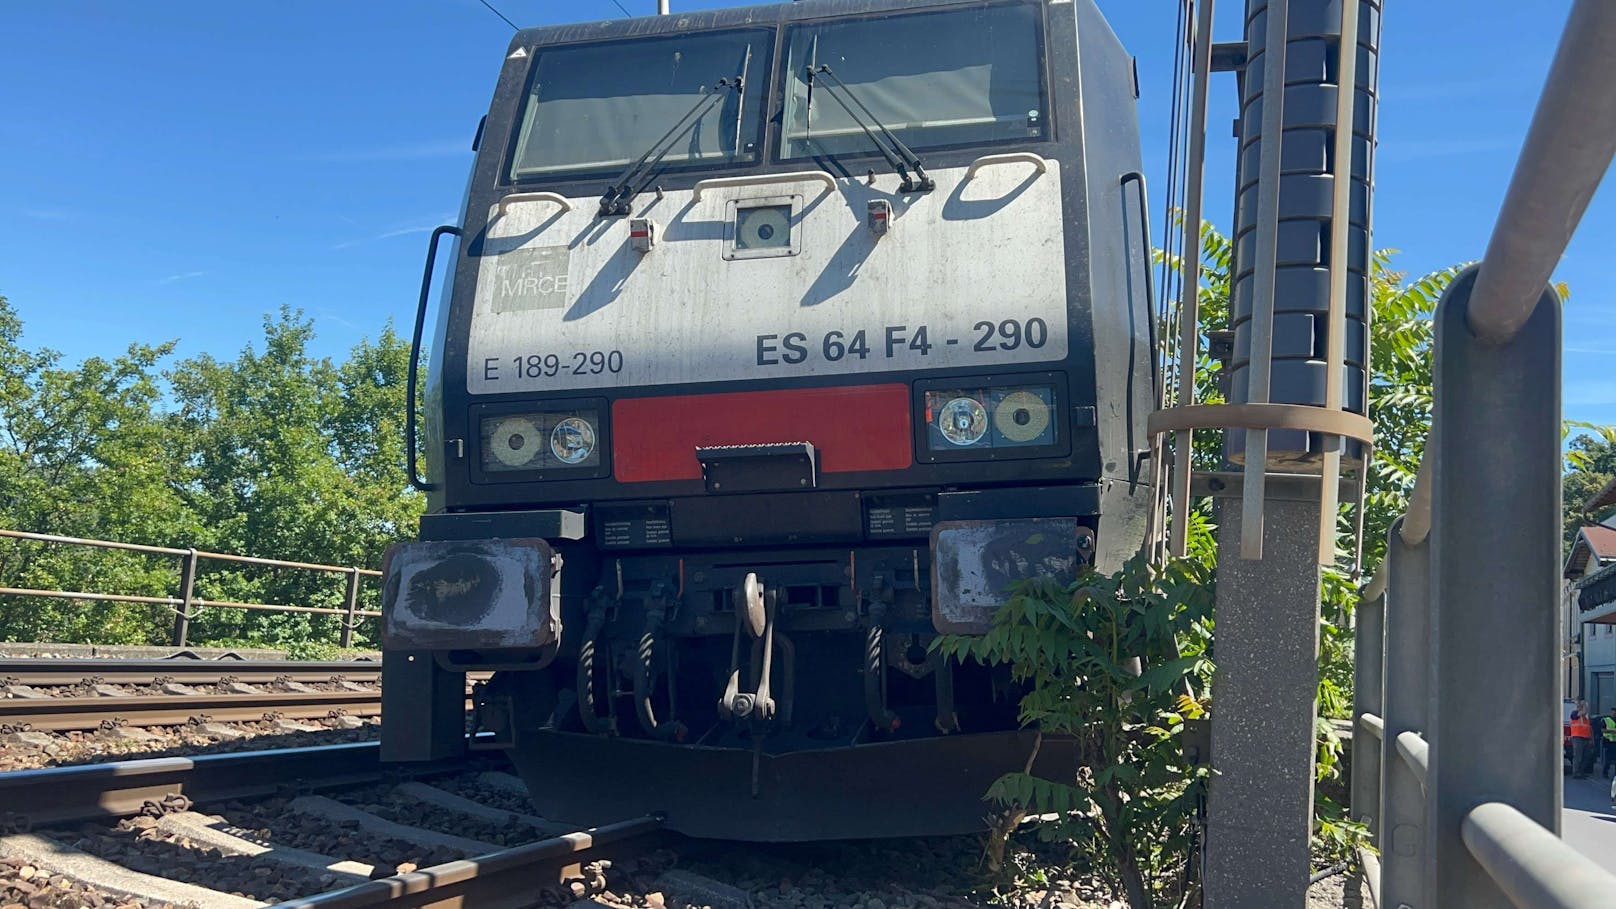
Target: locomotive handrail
(1138, 178)
(1033, 158)
(411, 467)
(513, 198)
(801, 176)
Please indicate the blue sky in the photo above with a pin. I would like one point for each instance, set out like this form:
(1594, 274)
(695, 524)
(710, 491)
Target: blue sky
(178, 169)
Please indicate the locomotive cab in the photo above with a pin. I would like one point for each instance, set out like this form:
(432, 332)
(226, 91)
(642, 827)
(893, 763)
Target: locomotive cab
(777, 342)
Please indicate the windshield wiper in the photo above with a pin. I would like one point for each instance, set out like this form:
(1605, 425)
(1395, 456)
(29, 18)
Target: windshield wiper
(619, 195)
(899, 155)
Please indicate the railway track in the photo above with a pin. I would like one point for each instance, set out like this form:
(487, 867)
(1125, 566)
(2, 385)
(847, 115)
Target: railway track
(44, 673)
(62, 714)
(83, 695)
(52, 819)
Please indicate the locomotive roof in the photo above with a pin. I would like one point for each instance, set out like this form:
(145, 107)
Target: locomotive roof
(699, 20)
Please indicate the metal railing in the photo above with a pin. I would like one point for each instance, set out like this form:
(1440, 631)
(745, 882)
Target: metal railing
(1457, 764)
(187, 605)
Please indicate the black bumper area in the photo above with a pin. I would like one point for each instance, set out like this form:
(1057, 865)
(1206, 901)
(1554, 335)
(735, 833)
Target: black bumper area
(921, 787)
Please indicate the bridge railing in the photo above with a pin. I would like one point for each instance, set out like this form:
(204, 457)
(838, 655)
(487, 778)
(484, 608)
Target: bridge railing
(186, 605)
(1457, 753)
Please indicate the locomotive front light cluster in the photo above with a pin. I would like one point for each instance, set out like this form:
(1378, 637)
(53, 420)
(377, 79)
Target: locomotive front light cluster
(963, 421)
(989, 419)
(540, 441)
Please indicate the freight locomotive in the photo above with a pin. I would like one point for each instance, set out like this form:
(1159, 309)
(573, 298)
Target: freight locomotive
(774, 342)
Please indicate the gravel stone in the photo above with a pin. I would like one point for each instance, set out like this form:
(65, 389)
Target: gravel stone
(700, 890)
(219, 731)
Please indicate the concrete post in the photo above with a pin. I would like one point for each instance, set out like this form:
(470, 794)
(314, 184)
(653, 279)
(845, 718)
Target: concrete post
(1495, 581)
(1261, 799)
(1403, 863)
(1368, 697)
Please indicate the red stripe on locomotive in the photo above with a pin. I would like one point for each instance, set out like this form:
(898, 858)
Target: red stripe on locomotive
(854, 428)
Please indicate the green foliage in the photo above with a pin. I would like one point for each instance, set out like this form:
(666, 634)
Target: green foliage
(1590, 464)
(274, 453)
(1112, 665)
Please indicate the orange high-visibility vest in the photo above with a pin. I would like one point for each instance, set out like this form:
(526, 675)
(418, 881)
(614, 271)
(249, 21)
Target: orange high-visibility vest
(1581, 728)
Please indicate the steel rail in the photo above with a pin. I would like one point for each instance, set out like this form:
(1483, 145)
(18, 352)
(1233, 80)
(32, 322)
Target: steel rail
(59, 714)
(67, 671)
(85, 792)
(494, 881)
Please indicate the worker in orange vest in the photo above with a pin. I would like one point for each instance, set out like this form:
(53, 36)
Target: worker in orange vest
(1582, 742)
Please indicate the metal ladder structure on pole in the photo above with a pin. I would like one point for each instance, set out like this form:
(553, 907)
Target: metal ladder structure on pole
(1459, 629)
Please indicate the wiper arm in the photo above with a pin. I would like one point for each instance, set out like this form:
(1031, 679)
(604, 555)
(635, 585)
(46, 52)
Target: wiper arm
(620, 193)
(899, 155)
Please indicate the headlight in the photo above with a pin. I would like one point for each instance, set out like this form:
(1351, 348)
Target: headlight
(531, 442)
(1021, 416)
(963, 421)
(572, 441)
(992, 417)
(514, 441)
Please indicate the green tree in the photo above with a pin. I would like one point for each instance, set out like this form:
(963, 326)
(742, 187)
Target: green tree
(82, 454)
(1590, 465)
(294, 455)
(275, 453)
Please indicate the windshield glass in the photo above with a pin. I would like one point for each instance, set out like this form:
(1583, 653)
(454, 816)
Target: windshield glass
(599, 107)
(954, 77)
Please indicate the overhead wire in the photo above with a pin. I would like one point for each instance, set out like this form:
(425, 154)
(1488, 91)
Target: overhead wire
(513, 25)
(1166, 310)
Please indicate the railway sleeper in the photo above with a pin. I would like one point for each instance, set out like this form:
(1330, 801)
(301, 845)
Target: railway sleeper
(210, 830)
(113, 879)
(335, 811)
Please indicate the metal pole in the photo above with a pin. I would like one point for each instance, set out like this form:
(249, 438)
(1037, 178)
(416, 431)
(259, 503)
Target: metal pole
(1567, 151)
(1346, 94)
(662, 7)
(1189, 331)
(182, 616)
(1407, 667)
(1495, 582)
(352, 606)
(1264, 276)
(1533, 866)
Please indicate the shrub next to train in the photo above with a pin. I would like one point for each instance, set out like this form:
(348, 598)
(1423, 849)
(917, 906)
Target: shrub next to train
(776, 341)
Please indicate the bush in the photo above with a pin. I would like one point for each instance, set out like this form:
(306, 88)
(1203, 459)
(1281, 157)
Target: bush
(1116, 663)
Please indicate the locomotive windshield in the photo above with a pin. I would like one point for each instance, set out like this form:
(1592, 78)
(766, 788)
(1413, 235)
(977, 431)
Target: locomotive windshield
(957, 77)
(598, 107)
